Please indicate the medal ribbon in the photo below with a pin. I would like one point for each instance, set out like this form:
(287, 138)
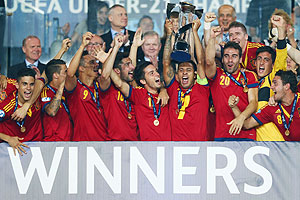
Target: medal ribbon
(95, 99)
(287, 126)
(156, 114)
(179, 104)
(260, 82)
(62, 101)
(235, 81)
(129, 106)
(23, 121)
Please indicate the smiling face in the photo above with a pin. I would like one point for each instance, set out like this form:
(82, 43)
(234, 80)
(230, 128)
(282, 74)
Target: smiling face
(231, 60)
(151, 46)
(237, 35)
(95, 41)
(226, 15)
(264, 64)
(278, 88)
(127, 69)
(186, 75)
(102, 14)
(90, 66)
(32, 49)
(152, 81)
(25, 86)
(118, 18)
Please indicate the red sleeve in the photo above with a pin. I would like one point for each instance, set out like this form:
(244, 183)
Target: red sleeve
(264, 115)
(135, 94)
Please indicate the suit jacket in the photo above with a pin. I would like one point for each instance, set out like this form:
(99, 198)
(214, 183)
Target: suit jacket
(107, 37)
(13, 70)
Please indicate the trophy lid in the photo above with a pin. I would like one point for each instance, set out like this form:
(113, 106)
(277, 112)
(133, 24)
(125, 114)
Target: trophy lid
(187, 7)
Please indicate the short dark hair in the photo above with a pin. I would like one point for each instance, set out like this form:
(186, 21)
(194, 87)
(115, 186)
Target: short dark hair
(236, 24)
(288, 77)
(52, 67)
(139, 72)
(191, 62)
(25, 72)
(268, 49)
(234, 45)
(119, 57)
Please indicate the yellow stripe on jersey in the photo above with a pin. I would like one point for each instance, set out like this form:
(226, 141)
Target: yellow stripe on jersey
(10, 105)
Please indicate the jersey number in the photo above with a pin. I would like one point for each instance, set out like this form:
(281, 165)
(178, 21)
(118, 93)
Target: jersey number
(120, 96)
(225, 80)
(279, 119)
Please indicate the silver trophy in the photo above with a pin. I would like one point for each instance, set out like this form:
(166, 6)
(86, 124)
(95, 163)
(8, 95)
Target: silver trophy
(186, 13)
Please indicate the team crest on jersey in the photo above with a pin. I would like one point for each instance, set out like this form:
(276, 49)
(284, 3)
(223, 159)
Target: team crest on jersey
(3, 96)
(46, 99)
(278, 111)
(2, 114)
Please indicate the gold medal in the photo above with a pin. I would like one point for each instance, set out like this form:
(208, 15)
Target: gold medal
(23, 129)
(156, 122)
(129, 116)
(246, 89)
(287, 132)
(99, 111)
(212, 109)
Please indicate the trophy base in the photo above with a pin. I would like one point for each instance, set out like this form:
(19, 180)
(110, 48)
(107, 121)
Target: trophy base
(180, 56)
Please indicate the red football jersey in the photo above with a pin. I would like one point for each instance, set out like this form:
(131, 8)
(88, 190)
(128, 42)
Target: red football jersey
(59, 127)
(145, 116)
(10, 88)
(222, 87)
(89, 122)
(249, 55)
(273, 114)
(32, 122)
(119, 126)
(190, 123)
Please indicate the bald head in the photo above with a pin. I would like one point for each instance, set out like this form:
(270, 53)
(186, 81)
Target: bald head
(226, 15)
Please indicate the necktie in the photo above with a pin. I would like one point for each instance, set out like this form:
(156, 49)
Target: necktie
(226, 37)
(37, 71)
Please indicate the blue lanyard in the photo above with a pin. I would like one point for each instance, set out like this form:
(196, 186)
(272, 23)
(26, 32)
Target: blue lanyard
(95, 99)
(129, 106)
(287, 126)
(235, 81)
(179, 104)
(260, 82)
(62, 101)
(156, 114)
(23, 121)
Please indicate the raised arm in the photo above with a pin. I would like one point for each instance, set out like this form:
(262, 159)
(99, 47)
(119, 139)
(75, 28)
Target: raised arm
(66, 44)
(210, 52)
(208, 19)
(104, 79)
(52, 108)
(121, 85)
(199, 49)
(136, 43)
(71, 78)
(168, 71)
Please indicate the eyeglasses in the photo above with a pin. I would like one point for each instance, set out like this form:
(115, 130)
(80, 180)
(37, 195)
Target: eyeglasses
(95, 44)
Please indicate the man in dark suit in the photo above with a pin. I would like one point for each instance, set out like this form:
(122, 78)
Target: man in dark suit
(151, 50)
(32, 49)
(118, 19)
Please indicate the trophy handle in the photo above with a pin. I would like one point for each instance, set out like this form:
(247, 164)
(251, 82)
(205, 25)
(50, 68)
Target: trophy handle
(199, 13)
(170, 7)
(185, 28)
